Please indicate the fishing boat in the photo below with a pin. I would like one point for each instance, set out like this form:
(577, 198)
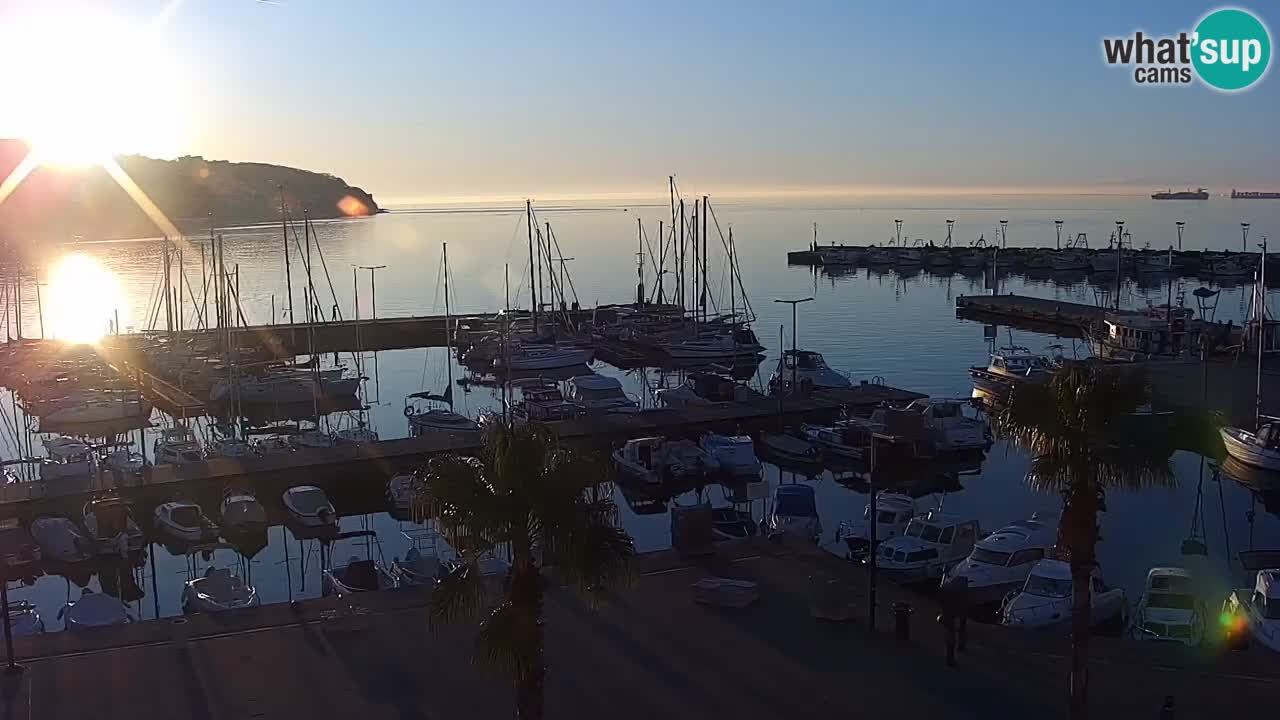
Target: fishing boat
(735, 454)
(795, 513)
(68, 459)
(109, 521)
(655, 459)
(1045, 598)
(421, 565)
(216, 591)
(1170, 609)
(94, 610)
(1260, 449)
(241, 512)
(808, 369)
(1010, 366)
(1001, 561)
(893, 512)
(357, 576)
(61, 539)
(600, 394)
(185, 521)
(738, 343)
(177, 446)
(309, 506)
(702, 389)
(929, 546)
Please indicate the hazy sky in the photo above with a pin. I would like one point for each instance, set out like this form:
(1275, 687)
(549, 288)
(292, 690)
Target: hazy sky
(428, 99)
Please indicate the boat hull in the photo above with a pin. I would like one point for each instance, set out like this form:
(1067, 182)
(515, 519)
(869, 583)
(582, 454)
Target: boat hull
(1240, 445)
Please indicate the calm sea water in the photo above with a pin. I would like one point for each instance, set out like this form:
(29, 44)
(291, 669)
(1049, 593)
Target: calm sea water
(901, 328)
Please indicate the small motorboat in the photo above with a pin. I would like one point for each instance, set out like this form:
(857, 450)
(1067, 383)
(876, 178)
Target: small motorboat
(845, 439)
(729, 523)
(68, 459)
(231, 447)
(94, 610)
(654, 459)
(24, 620)
(400, 489)
(809, 370)
(1001, 561)
(789, 447)
(428, 413)
(177, 446)
(125, 462)
(1259, 449)
(1009, 367)
(703, 389)
(736, 454)
(600, 394)
(184, 520)
(19, 552)
(795, 512)
(109, 521)
(61, 539)
(241, 512)
(927, 548)
(421, 564)
(893, 512)
(357, 575)
(1045, 598)
(310, 507)
(216, 591)
(948, 425)
(1257, 609)
(738, 343)
(543, 357)
(1170, 608)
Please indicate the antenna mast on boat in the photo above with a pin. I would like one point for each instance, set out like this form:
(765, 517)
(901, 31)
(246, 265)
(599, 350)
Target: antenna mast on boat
(733, 304)
(704, 259)
(680, 256)
(1262, 329)
(448, 335)
(693, 234)
(639, 263)
(533, 288)
(284, 236)
(662, 265)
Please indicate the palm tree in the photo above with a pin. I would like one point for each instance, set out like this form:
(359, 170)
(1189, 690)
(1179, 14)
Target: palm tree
(543, 504)
(1083, 436)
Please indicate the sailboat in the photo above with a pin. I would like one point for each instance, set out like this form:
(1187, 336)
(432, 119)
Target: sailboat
(428, 412)
(1261, 447)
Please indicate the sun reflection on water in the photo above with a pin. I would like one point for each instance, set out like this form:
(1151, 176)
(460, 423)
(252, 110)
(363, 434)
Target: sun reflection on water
(84, 298)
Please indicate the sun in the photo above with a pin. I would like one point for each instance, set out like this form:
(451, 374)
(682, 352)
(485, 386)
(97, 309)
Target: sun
(90, 86)
(84, 300)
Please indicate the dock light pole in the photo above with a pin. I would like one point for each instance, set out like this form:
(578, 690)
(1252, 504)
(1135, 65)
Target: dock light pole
(897, 225)
(871, 521)
(793, 304)
(1057, 228)
(1244, 237)
(1004, 233)
(1180, 225)
(950, 224)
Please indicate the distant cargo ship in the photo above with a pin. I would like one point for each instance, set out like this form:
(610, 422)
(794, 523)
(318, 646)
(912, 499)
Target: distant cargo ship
(1199, 194)
(1250, 195)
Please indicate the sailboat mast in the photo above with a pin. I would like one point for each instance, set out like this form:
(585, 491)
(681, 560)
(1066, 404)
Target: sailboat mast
(639, 263)
(284, 238)
(662, 264)
(693, 234)
(733, 305)
(680, 285)
(448, 336)
(533, 288)
(705, 212)
(1262, 327)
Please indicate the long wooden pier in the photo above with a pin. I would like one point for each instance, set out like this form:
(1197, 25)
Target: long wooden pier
(373, 463)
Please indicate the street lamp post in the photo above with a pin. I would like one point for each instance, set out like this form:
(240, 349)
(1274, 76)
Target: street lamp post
(794, 364)
(1180, 225)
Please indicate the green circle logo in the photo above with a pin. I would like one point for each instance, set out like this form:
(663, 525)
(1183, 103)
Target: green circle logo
(1232, 49)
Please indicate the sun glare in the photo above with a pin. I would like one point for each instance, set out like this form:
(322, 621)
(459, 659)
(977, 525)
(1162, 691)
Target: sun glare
(83, 300)
(87, 86)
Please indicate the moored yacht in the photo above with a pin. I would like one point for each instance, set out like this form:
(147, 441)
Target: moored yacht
(1045, 598)
(543, 357)
(1257, 608)
(241, 512)
(110, 523)
(845, 439)
(1010, 366)
(429, 413)
(949, 427)
(655, 459)
(735, 454)
(795, 513)
(930, 545)
(185, 521)
(1001, 561)
(739, 342)
(357, 575)
(1259, 449)
(94, 610)
(218, 590)
(1170, 608)
(809, 369)
(893, 512)
(600, 394)
(177, 446)
(700, 388)
(309, 506)
(68, 458)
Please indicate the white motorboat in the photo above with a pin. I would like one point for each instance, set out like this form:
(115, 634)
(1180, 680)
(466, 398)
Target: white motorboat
(544, 403)
(809, 369)
(844, 439)
(241, 512)
(1257, 609)
(400, 490)
(68, 458)
(1010, 366)
(216, 591)
(736, 454)
(893, 512)
(600, 394)
(97, 410)
(177, 446)
(231, 447)
(1001, 561)
(795, 513)
(359, 435)
(125, 462)
(94, 610)
(184, 520)
(24, 619)
(61, 539)
(701, 389)
(310, 507)
(421, 565)
(543, 357)
(790, 448)
(1259, 449)
(428, 414)
(929, 546)
(654, 459)
(1045, 598)
(1170, 608)
(357, 575)
(110, 523)
(740, 342)
(951, 429)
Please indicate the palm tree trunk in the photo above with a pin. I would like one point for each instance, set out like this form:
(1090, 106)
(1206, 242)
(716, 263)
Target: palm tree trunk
(1079, 534)
(526, 594)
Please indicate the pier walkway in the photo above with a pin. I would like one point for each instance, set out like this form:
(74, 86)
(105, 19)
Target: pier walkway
(651, 652)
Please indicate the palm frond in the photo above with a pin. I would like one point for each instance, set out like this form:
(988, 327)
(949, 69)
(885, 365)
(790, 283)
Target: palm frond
(594, 556)
(460, 595)
(509, 642)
